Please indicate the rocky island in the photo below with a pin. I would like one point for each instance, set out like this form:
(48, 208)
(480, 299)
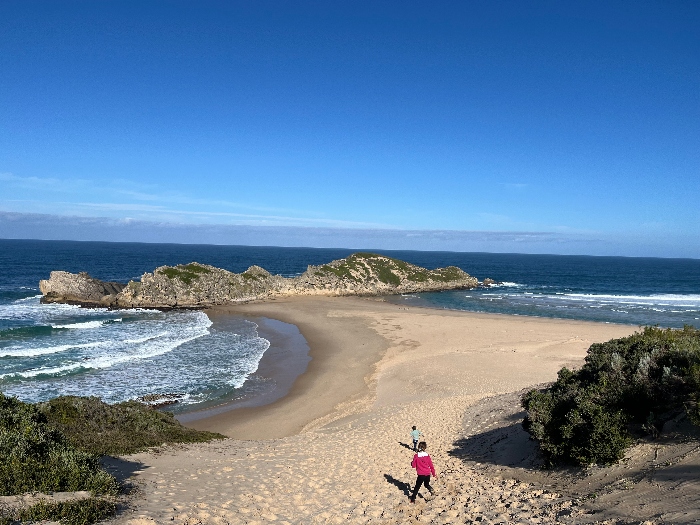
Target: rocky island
(200, 285)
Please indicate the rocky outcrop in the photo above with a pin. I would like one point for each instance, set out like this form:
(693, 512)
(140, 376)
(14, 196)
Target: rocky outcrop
(372, 274)
(200, 285)
(65, 287)
(195, 285)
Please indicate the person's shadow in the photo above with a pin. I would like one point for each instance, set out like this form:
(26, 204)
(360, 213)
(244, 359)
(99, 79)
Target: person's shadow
(406, 445)
(401, 485)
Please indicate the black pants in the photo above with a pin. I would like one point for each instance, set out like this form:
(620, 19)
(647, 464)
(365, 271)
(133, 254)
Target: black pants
(422, 480)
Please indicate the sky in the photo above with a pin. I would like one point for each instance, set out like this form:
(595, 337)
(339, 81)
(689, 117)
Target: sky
(523, 126)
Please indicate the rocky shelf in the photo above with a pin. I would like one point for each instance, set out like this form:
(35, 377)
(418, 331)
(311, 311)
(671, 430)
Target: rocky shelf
(199, 285)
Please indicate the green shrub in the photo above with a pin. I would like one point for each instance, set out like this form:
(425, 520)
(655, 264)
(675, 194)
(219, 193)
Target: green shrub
(36, 457)
(185, 272)
(94, 426)
(75, 512)
(55, 447)
(627, 387)
(448, 274)
(385, 275)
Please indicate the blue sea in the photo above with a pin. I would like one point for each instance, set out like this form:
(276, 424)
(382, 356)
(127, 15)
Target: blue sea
(50, 350)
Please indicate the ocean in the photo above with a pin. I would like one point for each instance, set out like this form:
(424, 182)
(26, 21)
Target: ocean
(51, 350)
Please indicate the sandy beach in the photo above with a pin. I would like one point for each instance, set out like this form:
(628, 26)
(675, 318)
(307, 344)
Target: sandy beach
(335, 448)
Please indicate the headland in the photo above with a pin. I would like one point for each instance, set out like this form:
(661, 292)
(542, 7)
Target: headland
(198, 285)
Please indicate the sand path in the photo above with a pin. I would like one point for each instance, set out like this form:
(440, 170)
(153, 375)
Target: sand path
(449, 373)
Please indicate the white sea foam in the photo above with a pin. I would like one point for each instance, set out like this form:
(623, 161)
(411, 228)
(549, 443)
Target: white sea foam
(152, 350)
(115, 343)
(44, 371)
(29, 299)
(254, 348)
(659, 300)
(506, 284)
(85, 325)
(144, 339)
(691, 299)
(30, 308)
(18, 351)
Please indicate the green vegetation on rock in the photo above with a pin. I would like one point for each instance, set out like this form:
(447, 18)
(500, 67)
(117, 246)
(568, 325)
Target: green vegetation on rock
(627, 388)
(387, 276)
(185, 272)
(353, 268)
(97, 427)
(448, 274)
(358, 267)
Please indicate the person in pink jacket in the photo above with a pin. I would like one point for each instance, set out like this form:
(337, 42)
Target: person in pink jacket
(424, 468)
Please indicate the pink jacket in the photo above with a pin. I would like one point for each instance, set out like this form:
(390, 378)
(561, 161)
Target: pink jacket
(423, 464)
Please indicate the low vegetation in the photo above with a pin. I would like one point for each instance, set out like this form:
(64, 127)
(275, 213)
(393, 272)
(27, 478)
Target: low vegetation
(35, 456)
(185, 272)
(99, 428)
(77, 512)
(255, 273)
(56, 446)
(359, 266)
(627, 389)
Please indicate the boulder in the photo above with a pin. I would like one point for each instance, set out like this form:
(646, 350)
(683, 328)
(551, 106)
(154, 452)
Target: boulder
(65, 287)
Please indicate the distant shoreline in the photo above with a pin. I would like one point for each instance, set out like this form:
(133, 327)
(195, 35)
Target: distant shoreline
(346, 351)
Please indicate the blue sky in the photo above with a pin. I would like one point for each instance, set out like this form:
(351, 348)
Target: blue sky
(575, 121)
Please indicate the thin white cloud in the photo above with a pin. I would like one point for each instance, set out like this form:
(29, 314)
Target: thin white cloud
(134, 190)
(152, 212)
(249, 218)
(51, 226)
(30, 183)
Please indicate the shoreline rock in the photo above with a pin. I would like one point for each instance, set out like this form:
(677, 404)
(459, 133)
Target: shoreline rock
(71, 288)
(198, 285)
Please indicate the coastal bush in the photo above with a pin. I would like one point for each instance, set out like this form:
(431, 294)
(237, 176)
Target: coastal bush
(75, 512)
(357, 267)
(185, 272)
(342, 272)
(451, 273)
(627, 388)
(36, 457)
(99, 428)
(55, 447)
(387, 276)
(385, 267)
